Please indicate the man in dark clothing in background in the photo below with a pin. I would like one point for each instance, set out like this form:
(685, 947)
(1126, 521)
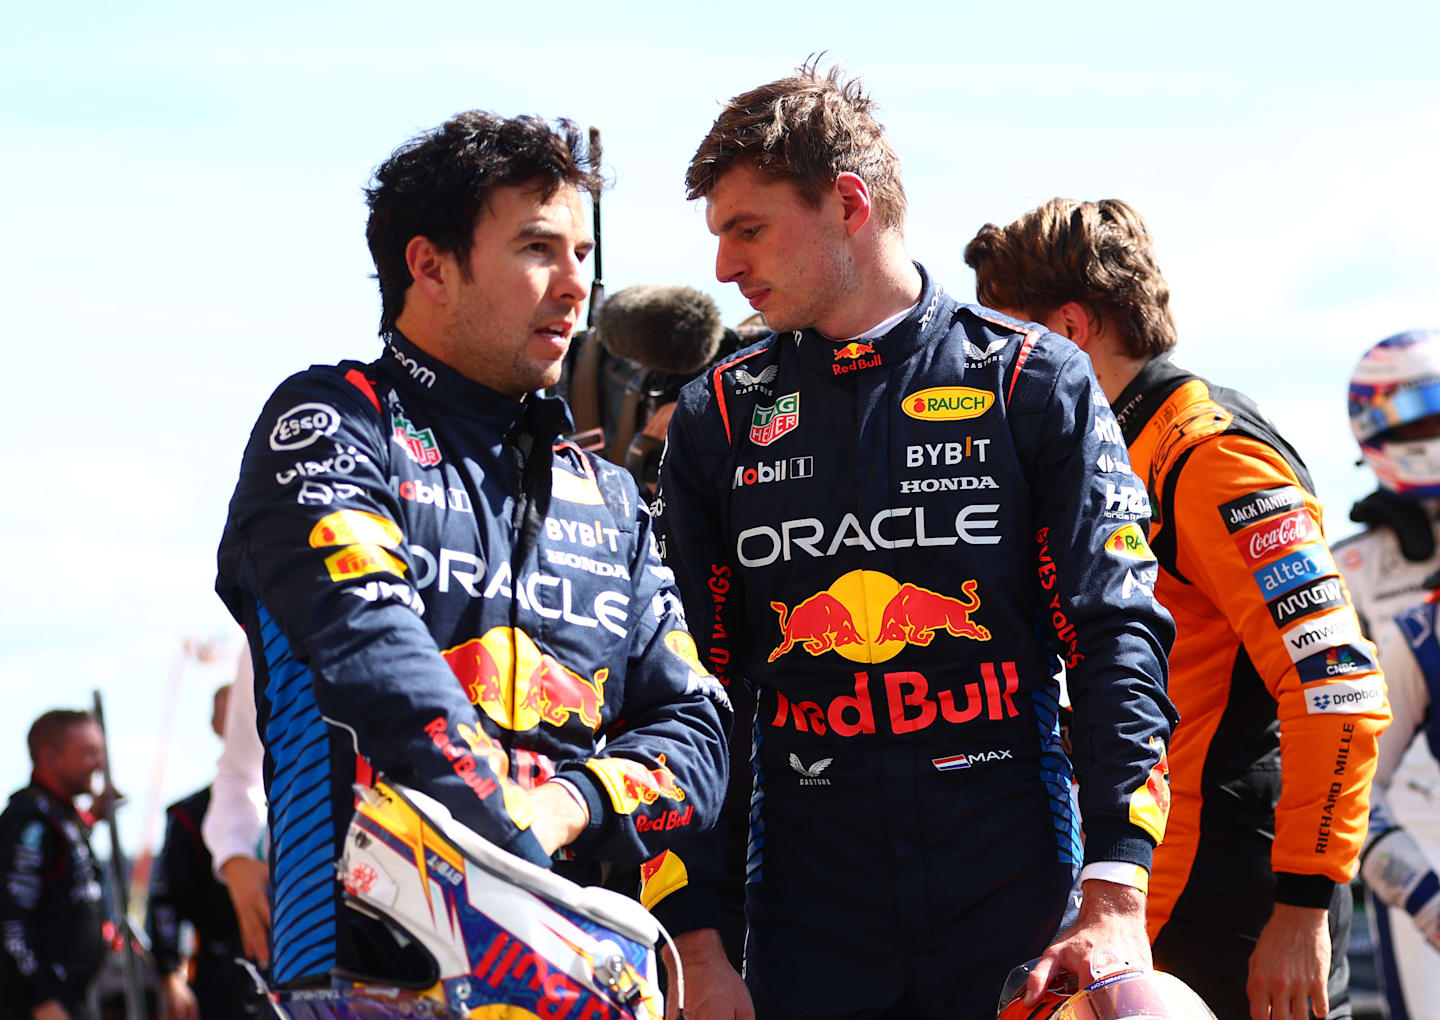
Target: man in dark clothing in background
(184, 888)
(51, 912)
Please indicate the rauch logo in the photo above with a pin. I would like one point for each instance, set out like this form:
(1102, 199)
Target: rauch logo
(947, 403)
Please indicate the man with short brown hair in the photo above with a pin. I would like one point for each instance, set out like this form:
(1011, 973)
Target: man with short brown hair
(50, 899)
(1248, 894)
(883, 524)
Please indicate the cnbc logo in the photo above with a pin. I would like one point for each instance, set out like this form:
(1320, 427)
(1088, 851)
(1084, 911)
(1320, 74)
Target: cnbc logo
(1339, 661)
(1333, 663)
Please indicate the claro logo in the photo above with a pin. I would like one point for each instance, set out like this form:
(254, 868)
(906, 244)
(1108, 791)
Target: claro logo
(947, 403)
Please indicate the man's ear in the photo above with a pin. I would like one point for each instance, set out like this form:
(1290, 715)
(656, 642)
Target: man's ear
(427, 265)
(854, 200)
(1075, 321)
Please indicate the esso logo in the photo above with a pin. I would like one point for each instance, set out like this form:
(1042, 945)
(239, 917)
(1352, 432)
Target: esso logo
(302, 425)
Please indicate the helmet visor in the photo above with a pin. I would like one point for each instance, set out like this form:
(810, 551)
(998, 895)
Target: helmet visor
(1375, 409)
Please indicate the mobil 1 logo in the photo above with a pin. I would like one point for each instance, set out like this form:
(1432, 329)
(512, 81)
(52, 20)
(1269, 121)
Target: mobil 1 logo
(781, 470)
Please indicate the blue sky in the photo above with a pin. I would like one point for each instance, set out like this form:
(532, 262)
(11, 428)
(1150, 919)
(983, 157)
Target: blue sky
(183, 227)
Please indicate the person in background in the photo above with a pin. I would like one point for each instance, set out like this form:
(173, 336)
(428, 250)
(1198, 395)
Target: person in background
(234, 824)
(51, 903)
(1394, 409)
(1271, 765)
(184, 888)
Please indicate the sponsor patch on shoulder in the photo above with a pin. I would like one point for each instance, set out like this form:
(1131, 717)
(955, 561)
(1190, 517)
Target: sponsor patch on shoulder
(348, 527)
(1347, 697)
(1316, 633)
(1258, 505)
(1310, 597)
(574, 488)
(359, 560)
(1278, 535)
(660, 876)
(1342, 660)
(302, 425)
(33, 835)
(1127, 542)
(1289, 572)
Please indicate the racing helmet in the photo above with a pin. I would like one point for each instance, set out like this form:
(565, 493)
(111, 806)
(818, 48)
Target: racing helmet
(1395, 385)
(504, 938)
(1124, 995)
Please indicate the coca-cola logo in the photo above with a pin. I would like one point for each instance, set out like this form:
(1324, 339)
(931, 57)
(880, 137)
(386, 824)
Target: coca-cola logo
(1285, 533)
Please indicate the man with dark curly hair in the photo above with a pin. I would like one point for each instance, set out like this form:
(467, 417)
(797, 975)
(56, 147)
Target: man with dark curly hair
(436, 586)
(887, 515)
(1280, 696)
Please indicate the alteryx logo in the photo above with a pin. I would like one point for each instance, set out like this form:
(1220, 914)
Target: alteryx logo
(1290, 572)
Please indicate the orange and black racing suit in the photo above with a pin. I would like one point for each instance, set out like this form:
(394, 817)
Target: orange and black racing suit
(1269, 666)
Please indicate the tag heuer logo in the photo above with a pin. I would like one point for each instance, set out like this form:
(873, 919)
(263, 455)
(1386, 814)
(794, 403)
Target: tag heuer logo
(419, 445)
(774, 420)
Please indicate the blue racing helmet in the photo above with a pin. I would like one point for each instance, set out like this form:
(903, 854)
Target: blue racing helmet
(1397, 384)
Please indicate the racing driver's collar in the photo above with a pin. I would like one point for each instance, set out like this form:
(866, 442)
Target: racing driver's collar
(440, 386)
(1139, 401)
(929, 319)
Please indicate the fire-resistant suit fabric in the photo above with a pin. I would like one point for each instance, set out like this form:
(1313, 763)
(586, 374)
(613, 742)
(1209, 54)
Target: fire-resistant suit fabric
(1269, 668)
(1384, 581)
(895, 544)
(435, 587)
(51, 906)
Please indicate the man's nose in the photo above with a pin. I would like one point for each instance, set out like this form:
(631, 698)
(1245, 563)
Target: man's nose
(570, 283)
(729, 266)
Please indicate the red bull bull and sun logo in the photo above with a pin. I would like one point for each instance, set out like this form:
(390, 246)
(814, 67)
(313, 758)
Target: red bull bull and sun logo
(518, 686)
(868, 616)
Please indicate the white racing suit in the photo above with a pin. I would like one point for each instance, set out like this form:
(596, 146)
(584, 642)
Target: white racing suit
(1382, 583)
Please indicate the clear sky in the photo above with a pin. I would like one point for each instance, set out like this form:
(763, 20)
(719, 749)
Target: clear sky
(182, 227)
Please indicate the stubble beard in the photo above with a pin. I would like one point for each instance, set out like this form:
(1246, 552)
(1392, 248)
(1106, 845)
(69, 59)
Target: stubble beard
(477, 352)
(837, 277)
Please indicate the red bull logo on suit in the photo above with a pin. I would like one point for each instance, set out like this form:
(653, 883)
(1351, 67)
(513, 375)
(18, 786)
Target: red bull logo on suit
(868, 616)
(509, 679)
(631, 784)
(903, 703)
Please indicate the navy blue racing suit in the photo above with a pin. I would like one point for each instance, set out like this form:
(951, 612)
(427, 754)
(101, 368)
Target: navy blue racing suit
(434, 586)
(890, 547)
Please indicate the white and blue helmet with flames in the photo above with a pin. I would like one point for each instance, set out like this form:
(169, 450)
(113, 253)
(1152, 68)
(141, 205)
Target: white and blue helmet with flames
(1395, 388)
